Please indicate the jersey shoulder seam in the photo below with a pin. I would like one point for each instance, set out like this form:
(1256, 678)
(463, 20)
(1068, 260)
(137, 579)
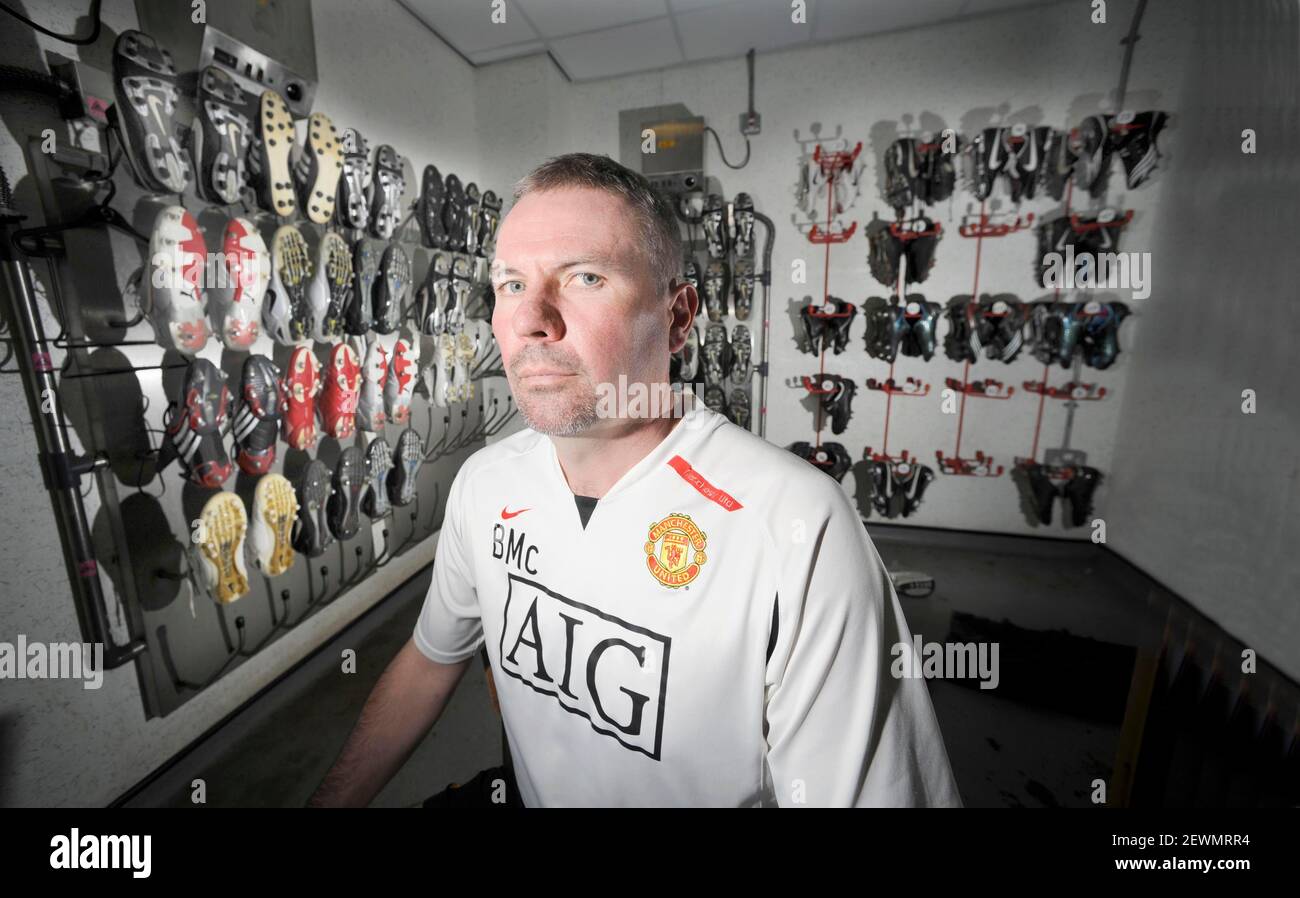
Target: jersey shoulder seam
(499, 454)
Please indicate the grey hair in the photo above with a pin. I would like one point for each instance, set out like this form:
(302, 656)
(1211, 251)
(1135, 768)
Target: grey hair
(660, 236)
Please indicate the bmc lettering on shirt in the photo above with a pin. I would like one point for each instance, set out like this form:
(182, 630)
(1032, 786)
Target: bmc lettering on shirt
(513, 548)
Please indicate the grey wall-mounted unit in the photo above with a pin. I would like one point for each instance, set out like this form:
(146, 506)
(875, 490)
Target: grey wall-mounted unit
(263, 43)
(677, 164)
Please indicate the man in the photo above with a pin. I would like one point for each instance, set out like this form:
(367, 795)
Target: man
(676, 611)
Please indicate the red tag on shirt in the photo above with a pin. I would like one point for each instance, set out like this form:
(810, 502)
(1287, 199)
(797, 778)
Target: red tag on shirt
(708, 490)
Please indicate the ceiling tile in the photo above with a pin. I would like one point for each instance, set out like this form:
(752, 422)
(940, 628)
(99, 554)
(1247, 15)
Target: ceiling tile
(976, 7)
(614, 37)
(467, 24)
(730, 30)
(836, 19)
(688, 5)
(617, 51)
(497, 54)
(557, 18)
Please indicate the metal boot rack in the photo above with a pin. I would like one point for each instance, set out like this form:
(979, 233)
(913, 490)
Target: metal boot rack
(80, 386)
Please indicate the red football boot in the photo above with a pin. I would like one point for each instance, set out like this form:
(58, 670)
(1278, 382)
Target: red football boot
(175, 271)
(401, 377)
(236, 304)
(338, 402)
(301, 384)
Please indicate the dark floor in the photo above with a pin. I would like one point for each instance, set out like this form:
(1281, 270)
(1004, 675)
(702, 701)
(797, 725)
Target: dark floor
(1005, 751)
(275, 752)
(1071, 619)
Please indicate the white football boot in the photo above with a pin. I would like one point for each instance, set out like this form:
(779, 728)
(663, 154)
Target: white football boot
(286, 310)
(445, 387)
(270, 541)
(176, 268)
(235, 301)
(274, 148)
(317, 171)
(330, 288)
(377, 352)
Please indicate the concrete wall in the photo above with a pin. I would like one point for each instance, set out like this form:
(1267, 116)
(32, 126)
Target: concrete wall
(1204, 497)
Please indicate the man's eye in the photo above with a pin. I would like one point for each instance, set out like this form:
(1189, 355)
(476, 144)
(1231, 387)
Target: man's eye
(595, 279)
(505, 286)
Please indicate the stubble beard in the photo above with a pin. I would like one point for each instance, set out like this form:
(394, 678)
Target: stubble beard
(563, 411)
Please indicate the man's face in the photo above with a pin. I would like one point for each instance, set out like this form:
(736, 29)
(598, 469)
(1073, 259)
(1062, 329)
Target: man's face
(577, 305)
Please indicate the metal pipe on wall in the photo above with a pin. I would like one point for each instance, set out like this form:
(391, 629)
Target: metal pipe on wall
(61, 468)
(768, 242)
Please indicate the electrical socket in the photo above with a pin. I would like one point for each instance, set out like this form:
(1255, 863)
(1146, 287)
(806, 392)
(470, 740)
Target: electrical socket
(751, 123)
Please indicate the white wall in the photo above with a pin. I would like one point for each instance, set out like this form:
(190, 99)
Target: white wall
(1206, 498)
(382, 71)
(1046, 65)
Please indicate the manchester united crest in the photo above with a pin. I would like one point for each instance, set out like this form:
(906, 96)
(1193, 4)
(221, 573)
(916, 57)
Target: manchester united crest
(674, 550)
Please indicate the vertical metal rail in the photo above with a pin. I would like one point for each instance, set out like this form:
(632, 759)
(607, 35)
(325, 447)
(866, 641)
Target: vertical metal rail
(766, 279)
(1129, 41)
(61, 468)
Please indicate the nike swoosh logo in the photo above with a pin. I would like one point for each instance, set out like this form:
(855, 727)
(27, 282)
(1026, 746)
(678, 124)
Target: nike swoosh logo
(993, 156)
(154, 103)
(507, 515)
(1033, 154)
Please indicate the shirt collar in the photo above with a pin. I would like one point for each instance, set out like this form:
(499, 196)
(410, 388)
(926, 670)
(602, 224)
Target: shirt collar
(696, 423)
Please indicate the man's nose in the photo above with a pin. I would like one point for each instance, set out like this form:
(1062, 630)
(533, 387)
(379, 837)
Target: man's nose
(537, 317)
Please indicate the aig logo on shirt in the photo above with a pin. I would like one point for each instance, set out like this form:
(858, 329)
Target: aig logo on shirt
(595, 665)
(674, 550)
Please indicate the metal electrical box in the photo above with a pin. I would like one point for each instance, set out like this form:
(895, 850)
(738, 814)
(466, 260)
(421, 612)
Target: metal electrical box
(263, 43)
(672, 158)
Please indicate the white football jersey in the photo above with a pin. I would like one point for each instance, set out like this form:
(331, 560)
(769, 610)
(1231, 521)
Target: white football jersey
(719, 633)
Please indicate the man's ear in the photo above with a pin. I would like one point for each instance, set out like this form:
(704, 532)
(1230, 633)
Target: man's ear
(682, 308)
